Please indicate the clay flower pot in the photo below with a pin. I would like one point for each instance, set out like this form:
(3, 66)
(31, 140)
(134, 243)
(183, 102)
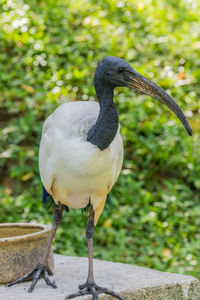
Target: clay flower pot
(21, 247)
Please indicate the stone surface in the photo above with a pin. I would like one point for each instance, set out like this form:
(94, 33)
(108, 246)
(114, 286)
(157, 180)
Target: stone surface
(132, 282)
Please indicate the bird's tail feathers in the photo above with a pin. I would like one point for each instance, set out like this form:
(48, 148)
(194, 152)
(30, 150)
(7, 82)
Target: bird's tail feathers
(46, 197)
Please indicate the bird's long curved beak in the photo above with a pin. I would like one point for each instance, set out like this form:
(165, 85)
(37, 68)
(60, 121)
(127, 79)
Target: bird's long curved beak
(140, 83)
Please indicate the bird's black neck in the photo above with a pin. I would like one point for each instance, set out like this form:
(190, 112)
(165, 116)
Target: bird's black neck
(104, 130)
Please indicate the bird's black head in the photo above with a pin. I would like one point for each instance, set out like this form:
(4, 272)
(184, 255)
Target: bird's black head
(113, 71)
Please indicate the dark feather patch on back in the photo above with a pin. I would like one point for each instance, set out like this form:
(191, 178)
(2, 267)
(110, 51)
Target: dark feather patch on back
(108, 200)
(45, 196)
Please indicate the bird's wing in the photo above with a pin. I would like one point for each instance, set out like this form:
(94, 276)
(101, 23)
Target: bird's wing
(66, 127)
(74, 119)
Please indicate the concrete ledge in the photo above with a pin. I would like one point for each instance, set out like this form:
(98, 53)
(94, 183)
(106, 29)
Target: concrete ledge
(132, 282)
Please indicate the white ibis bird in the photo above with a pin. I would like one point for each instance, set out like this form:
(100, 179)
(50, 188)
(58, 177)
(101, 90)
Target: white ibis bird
(81, 154)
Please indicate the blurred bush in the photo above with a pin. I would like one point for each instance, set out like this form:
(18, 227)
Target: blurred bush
(49, 52)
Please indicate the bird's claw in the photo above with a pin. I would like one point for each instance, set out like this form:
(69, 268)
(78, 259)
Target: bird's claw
(94, 290)
(40, 271)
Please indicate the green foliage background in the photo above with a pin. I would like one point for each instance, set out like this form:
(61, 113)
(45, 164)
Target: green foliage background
(49, 52)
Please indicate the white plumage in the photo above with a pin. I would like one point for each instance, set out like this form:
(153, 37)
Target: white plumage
(73, 170)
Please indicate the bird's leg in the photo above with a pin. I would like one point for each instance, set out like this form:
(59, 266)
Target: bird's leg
(42, 269)
(90, 286)
(89, 237)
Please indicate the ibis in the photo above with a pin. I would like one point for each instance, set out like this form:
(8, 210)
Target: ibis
(81, 154)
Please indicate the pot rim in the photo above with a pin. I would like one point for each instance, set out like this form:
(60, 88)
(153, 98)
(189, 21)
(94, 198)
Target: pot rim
(44, 230)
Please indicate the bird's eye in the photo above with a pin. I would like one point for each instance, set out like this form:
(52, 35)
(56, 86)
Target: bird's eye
(120, 69)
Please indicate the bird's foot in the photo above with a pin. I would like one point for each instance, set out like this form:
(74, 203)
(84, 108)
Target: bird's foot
(90, 288)
(40, 271)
